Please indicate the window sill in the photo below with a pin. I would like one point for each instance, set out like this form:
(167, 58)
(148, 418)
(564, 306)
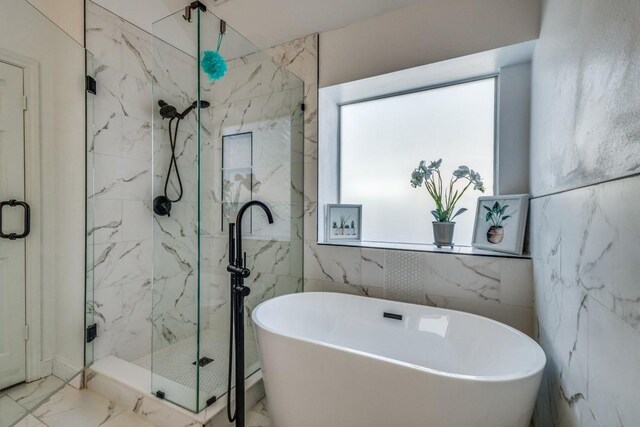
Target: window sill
(456, 250)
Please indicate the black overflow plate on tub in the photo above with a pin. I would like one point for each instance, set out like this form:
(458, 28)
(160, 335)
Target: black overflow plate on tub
(392, 316)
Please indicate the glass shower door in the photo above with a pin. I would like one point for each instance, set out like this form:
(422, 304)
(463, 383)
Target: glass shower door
(251, 149)
(175, 296)
(242, 141)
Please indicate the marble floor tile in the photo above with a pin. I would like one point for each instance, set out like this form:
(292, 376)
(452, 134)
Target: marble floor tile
(10, 411)
(29, 395)
(127, 419)
(258, 416)
(30, 421)
(71, 407)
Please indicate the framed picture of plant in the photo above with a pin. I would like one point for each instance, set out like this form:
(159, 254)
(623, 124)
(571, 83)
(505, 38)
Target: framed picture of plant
(344, 223)
(500, 223)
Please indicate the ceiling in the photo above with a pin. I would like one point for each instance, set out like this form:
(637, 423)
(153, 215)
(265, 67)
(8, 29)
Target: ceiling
(264, 22)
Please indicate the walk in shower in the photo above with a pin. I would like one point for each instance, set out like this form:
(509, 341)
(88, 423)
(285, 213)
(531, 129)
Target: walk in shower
(241, 141)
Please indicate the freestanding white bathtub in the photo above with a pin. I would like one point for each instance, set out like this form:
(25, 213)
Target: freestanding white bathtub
(334, 360)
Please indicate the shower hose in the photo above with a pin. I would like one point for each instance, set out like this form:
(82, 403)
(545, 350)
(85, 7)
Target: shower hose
(173, 163)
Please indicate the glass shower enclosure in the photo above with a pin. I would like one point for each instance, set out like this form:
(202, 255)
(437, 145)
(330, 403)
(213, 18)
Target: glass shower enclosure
(242, 141)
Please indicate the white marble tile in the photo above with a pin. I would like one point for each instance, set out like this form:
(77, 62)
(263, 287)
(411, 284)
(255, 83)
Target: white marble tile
(136, 220)
(30, 421)
(135, 95)
(136, 138)
(122, 262)
(10, 411)
(106, 221)
(77, 407)
(107, 132)
(299, 56)
(582, 115)
(103, 39)
(108, 89)
(332, 263)
(77, 381)
(312, 285)
(372, 267)
(462, 276)
(614, 352)
(516, 281)
(137, 59)
(127, 419)
(29, 395)
(106, 179)
(361, 290)
(121, 178)
(268, 256)
(518, 317)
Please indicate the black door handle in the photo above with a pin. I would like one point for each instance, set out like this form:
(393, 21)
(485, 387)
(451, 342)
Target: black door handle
(27, 220)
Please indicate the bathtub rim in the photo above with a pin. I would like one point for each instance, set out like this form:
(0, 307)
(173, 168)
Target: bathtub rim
(537, 370)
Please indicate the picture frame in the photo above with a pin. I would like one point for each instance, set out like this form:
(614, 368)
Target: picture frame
(343, 223)
(500, 223)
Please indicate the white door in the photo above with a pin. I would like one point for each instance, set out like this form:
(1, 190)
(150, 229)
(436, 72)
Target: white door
(12, 252)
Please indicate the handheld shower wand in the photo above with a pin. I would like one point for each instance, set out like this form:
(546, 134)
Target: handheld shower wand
(162, 204)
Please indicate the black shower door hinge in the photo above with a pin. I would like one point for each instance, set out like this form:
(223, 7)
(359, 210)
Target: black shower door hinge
(303, 107)
(199, 5)
(92, 332)
(91, 85)
(194, 5)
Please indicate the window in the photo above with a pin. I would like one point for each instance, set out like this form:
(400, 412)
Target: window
(383, 140)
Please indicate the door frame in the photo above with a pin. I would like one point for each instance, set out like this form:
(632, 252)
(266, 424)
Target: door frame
(33, 195)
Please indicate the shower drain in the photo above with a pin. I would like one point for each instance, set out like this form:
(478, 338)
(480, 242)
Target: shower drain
(204, 361)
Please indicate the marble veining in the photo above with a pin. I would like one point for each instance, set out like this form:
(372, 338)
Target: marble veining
(584, 241)
(120, 227)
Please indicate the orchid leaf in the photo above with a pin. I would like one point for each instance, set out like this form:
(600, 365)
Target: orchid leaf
(460, 211)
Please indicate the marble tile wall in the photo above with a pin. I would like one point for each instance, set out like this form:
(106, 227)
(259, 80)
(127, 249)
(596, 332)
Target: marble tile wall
(175, 248)
(120, 230)
(495, 287)
(261, 97)
(584, 241)
(588, 304)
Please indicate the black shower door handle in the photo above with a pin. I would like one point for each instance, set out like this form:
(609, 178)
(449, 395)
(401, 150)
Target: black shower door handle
(27, 219)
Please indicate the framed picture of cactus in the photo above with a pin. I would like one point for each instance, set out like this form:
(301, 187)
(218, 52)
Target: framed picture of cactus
(344, 223)
(500, 223)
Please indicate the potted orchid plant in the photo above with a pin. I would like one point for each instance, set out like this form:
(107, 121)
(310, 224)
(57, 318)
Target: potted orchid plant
(445, 196)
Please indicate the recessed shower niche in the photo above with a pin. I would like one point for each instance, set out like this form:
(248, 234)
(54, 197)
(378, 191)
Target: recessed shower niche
(159, 282)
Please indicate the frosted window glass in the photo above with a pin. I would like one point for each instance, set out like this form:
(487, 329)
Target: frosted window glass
(383, 140)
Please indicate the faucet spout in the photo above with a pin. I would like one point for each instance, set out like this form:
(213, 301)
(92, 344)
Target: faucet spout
(240, 258)
(247, 205)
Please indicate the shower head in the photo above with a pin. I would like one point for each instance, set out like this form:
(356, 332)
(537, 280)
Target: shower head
(203, 104)
(167, 111)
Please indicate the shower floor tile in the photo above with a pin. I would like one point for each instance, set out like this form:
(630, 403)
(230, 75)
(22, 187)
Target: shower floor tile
(175, 362)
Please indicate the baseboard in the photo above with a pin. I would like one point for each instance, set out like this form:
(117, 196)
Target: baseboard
(64, 369)
(46, 369)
